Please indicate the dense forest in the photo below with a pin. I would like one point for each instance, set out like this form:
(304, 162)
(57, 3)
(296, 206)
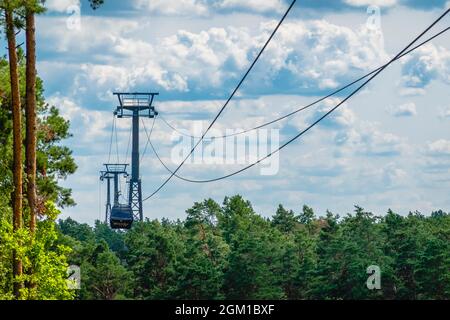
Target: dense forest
(230, 252)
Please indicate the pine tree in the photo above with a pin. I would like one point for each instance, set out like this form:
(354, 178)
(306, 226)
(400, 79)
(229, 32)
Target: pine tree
(9, 7)
(285, 220)
(204, 260)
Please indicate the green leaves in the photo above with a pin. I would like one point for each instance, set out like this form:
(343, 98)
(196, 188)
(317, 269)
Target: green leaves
(95, 4)
(54, 160)
(228, 251)
(42, 253)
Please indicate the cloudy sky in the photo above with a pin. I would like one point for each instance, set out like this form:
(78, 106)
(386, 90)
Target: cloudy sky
(388, 147)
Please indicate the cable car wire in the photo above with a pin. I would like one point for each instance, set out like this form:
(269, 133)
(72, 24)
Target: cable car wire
(127, 154)
(180, 131)
(112, 137)
(381, 69)
(148, 135)
(117, 146)
(228, 100)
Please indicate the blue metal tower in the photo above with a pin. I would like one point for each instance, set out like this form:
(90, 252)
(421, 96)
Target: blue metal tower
(135, 105)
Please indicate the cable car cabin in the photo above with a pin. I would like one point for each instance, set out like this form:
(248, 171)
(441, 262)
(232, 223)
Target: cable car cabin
(121, 217)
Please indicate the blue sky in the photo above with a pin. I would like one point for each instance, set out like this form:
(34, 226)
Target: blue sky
(388, 147)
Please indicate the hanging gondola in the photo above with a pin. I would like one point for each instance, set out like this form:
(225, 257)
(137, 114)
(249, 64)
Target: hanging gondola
(121, 217)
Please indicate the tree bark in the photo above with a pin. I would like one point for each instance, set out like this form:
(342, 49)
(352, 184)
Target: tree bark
(30, 113)
(30, 138)
(17, 142)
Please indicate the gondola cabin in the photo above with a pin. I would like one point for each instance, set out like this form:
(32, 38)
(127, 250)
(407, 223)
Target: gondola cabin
(121, 217)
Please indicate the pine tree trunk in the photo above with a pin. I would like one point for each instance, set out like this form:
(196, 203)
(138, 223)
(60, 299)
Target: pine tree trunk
(30, 113)
(17, 141)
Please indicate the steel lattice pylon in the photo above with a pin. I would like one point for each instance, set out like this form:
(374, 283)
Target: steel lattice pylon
(135, 106)
(135, 199)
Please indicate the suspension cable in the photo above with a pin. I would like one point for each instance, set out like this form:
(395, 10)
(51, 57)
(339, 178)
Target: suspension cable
(117, 147)
(112, 136)
(148, 135)
(228, 100)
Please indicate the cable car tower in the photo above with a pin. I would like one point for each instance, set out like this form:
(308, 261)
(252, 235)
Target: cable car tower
(134, 106)
(112, 172)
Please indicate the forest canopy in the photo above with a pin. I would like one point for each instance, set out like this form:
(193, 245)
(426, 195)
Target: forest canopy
(228, 251)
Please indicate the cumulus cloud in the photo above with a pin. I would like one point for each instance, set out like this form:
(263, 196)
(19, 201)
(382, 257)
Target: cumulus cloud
(439, 148)
(309, 55)
(362, 3)
(305, 56)
(318, 54)
(445, 113)
(86, 125)
(367, 140)
(341, 118)
(61, 5)
(204, 7)
(404, 110)
(378, 143)
(425, 65)
(435, 163)
(174, 7)
(253, 5)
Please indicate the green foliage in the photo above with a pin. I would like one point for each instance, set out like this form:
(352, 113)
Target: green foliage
(103, 275)
(95, 4)
(201, 271)
(230, 252)
(154, 253)
(42, 253)
(54, 160)
(285, 220)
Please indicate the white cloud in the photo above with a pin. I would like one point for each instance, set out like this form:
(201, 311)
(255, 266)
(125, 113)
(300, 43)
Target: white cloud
(341, 118)
(254, 5)
(61, 5)
(408, 91)
(86, 125)
(367, 139)
(439, 148)
(174, 7)
(205, 7)
(306, 56)
(404, 110)
(363, 3)
(445, 113)
(425, 65)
